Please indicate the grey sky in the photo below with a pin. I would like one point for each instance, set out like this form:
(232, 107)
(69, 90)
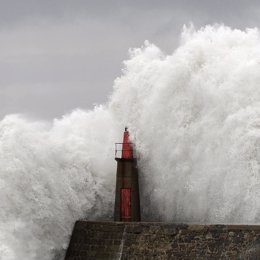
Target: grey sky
(59, 55)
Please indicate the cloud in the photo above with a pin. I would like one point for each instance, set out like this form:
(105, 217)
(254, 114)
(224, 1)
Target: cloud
(67, 53)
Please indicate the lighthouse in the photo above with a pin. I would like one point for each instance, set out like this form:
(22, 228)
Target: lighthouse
(127, 199)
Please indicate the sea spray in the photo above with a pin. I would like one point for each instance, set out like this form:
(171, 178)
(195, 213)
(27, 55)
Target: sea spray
(52, 175)
(195, 118)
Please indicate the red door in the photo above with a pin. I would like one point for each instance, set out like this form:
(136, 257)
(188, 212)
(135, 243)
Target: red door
(126, 204)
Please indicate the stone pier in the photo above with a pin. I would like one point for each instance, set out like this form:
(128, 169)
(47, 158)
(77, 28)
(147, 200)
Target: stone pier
(143, 240)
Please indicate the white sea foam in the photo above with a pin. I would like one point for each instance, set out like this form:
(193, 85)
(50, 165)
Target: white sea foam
(195, 116)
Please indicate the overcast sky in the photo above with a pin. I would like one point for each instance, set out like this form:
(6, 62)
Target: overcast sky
(57, 55)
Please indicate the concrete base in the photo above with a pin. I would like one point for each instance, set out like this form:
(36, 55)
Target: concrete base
(142, 240)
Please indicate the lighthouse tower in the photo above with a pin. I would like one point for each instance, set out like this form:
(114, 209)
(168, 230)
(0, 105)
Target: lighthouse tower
(127, 201)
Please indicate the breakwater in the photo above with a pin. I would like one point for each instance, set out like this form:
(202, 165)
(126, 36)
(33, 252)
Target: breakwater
(143, 240)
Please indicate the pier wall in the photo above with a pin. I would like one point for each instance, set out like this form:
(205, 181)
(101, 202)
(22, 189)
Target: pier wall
(143, 240)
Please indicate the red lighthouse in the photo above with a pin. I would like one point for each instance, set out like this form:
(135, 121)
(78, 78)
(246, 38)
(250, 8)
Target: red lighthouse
(127, 201)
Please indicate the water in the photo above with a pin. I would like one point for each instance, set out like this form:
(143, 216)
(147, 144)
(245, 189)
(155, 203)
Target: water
(195, 117)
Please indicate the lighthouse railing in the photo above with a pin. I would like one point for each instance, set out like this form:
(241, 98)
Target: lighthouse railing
(120, 149)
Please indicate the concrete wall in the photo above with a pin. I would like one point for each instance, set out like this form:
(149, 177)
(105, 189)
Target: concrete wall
(117, 240)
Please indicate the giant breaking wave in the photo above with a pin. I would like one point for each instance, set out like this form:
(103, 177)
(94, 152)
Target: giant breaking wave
(195, 117)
